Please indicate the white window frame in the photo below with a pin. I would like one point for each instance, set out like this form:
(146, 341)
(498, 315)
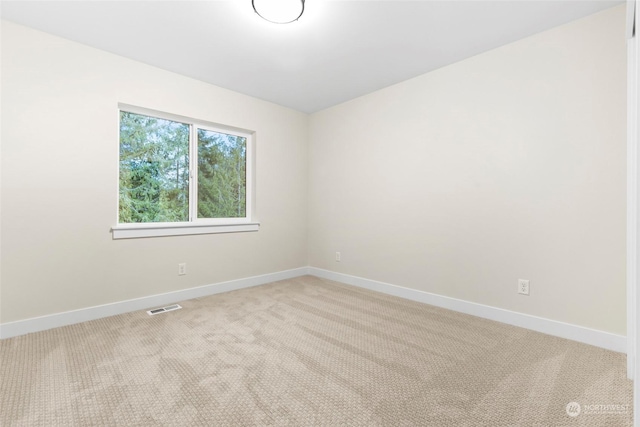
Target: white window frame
(195, 225)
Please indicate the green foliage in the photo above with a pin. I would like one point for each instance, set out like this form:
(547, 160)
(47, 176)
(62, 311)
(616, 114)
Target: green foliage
(221, 175)
(154, 171)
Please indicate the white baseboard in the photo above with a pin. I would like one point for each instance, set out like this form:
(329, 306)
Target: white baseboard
(594, 337)
(609, 341)
(36, 324)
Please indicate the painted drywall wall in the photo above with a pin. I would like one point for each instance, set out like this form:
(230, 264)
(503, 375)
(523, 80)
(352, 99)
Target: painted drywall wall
(60, 180)
(509, 165)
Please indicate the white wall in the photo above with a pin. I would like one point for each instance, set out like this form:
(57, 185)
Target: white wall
(507, 165)
(60, 180)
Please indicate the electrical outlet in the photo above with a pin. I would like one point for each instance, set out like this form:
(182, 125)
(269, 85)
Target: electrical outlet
(523, 287)
(337, 256)
(182, 269)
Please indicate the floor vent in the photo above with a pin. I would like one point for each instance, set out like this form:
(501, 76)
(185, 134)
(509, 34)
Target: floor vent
(163, 309)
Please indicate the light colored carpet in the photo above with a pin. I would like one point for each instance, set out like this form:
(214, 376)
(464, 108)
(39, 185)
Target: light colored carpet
(306, 352)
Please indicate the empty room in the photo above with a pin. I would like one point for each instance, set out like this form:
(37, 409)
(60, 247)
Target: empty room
(318, 213)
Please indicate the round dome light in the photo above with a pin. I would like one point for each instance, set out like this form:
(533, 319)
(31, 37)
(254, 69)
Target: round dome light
(279, 11)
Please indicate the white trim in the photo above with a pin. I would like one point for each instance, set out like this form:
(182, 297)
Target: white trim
(131, 231)
(632, 201)
(630, 23)
(633, 296)
(550, 327)
(581, 334)
(36, 324)
(193, 174)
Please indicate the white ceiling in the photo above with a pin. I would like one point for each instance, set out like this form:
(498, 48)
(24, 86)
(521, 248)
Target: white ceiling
(337, 51)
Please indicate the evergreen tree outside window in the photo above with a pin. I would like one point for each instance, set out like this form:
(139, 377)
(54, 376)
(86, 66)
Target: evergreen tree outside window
(154, 169)
(221, 175)
(174, 170)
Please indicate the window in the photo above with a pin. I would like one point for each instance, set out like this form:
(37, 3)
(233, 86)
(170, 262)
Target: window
(182, 176)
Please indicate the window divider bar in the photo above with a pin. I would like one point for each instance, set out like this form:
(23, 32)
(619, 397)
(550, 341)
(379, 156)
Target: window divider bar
(193, 173)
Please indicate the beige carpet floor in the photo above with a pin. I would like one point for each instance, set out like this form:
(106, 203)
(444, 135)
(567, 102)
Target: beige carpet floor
(307, 352)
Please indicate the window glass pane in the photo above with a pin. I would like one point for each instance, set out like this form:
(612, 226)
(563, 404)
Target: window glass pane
(222, 160)
(154, 169)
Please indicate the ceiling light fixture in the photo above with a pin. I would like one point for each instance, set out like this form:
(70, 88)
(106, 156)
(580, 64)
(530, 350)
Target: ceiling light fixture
(279, 11)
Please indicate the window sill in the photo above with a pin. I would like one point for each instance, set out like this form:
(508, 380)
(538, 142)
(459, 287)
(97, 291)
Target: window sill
(135, 231)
